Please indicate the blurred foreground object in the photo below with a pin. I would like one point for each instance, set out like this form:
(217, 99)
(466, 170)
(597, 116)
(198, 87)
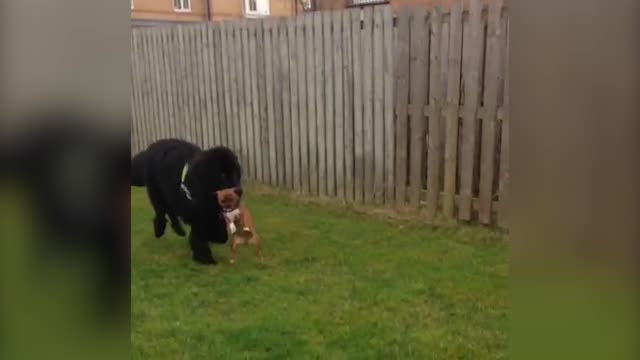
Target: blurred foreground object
(575, 144)
(65, 252)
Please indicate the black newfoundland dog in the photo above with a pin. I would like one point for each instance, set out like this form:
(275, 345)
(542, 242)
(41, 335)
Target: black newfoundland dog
(183, 182)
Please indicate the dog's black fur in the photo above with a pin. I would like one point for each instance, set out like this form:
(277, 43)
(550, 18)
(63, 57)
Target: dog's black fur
(159, 169)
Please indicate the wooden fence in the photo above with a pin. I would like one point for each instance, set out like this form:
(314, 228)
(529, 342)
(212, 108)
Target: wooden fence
(407, 109)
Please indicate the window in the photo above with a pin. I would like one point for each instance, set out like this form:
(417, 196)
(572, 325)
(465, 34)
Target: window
(131, 4)
(256, 8)
(182, 5)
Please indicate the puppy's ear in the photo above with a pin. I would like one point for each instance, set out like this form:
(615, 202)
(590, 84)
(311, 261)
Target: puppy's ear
(238, 191)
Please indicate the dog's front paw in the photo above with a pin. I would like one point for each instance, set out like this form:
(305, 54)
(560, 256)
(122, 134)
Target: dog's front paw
(159, 225)
(204, 260)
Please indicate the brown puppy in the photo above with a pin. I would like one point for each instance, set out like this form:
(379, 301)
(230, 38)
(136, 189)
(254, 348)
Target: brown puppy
(229, 199)
(243, 232)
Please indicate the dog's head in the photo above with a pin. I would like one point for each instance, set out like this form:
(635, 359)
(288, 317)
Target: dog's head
(214, 179)
(229, 199)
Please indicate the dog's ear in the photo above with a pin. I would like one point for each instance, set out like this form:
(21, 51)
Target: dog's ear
(238, 191)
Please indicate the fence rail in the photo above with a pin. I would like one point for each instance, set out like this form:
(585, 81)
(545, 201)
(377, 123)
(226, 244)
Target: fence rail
(407, 109)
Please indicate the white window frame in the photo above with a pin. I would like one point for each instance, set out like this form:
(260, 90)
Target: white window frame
(185, 6)
(262, 9)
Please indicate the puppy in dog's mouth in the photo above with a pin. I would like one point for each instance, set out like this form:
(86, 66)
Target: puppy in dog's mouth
(229, 199)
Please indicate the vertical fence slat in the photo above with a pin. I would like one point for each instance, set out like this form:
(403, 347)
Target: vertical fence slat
(401, 99)
(221, 132)
(155, 54)
(262, 135)
(348, 104)
(321, 121)
(444, 50)
(136, 89)
(138, 44)
(239, 121)
(249, 100)
(504, 149)
(264, 96)
(133, 140)
(368, 116)
(174, 89)
(214, 119)
(208, 84)
(271, 138)
(194, 100)
(191, 77)
(168, 73)
(378, 106)
(389, 143)
(434, 154)
(453, 100)
(286, 103)
(232, 121)
(357, 105)
(178, 43)
(153, 120)
(294, 62)
(226, 73)
(194, 80)
(302, 103)
(328, 108)
(200, 81)
(418, 69)
(230, 76)
(184, 74)
(494, 44)
(245, 93)
(205, 81)
(311, 80)
(160, 86)
(146, 76)
(472, 59)
(254, 123)
(277, 101)
(142, 92)
(339, 103)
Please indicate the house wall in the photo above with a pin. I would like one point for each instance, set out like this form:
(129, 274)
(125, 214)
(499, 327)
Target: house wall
(233, 9)
(285, 8)
(163, 10)
(220, 10)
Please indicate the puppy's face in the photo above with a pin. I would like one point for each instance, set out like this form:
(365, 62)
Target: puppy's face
(229, 199)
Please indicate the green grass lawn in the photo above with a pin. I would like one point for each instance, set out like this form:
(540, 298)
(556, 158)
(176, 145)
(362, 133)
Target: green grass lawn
(333, 285)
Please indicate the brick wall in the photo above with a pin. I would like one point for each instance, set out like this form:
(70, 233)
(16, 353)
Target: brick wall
(163, 10)
(220, 9)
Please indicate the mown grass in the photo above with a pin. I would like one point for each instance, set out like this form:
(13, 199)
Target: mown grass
(334, 285)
